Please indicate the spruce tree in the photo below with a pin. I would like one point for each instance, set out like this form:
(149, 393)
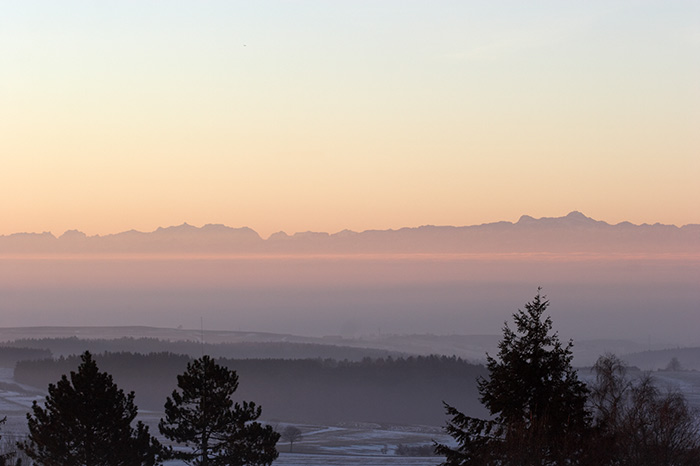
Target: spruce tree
(537, 403)
(202, 415)
(87, 421)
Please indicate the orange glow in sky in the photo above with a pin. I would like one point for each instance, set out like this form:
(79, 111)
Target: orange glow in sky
(324, 116)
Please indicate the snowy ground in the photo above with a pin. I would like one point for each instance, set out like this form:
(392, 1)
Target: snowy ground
(687, 382)
(339, 445)
(356, 444)
(15, 401)
(289, 459)
(362, 444)
(343, 460)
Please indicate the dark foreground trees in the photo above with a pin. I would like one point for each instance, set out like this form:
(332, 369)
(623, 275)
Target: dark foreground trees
(202, 415)
(542, 415)
(639, 425)
(87, 421)
(537, 403)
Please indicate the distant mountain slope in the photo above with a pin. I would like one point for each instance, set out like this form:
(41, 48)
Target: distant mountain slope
(573, 233)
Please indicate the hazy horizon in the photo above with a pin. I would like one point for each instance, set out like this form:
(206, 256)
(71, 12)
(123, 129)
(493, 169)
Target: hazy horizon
(334, 232)
(626, 298)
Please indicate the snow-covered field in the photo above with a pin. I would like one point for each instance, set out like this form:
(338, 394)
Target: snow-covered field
(364, 445)
(293, 459)
(340, 445)
(687, 382)
(343, 460)
(357, 444)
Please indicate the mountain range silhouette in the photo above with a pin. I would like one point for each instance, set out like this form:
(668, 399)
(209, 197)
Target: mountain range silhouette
(573, 233)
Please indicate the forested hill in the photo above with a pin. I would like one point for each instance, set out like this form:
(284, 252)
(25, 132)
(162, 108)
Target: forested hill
(64, 346)
(407, 391)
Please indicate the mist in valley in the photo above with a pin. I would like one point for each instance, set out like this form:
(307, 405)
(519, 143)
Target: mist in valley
(652, 299)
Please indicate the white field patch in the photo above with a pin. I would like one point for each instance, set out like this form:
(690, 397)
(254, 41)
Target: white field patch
(288, 459)
(301, 459)
(15, 398)
(687, 382)
(365, 444)
(15, 402)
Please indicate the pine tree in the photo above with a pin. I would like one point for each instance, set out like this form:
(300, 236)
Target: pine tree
(87, 421)
(202, 415)
(537, 403)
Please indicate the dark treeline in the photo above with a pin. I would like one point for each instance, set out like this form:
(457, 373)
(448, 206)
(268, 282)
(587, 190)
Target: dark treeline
(239, 350)
(10, 355)
(151, 376)
(384, 390)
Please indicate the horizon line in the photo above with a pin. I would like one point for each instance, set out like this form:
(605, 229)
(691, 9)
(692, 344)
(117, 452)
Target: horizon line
(186, 224)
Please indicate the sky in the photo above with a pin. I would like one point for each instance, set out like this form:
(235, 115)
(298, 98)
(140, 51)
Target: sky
(330, 115)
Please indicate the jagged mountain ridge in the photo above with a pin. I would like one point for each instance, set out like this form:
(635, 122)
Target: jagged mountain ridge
(572, 233)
